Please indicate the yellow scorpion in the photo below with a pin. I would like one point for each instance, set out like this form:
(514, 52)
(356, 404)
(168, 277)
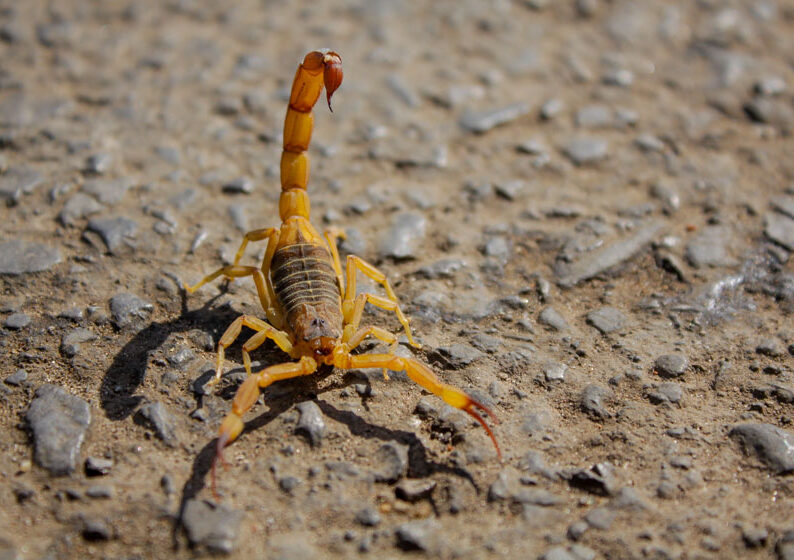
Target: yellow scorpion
(313, 312)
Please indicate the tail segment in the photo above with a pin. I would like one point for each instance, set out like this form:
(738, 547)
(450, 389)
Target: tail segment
(319, 68)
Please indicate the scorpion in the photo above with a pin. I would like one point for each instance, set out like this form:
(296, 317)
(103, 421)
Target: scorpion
(313, 312)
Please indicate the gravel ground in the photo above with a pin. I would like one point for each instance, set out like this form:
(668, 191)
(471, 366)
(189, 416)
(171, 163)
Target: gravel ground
(586, 208)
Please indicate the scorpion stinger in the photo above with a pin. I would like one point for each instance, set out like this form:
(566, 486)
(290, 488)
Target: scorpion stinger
(312, 308)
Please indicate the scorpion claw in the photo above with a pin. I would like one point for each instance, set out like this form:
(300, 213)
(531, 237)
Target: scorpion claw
(470, 409)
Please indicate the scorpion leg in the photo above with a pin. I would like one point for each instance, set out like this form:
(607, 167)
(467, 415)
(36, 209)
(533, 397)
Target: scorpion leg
(391, 304)
(424, 376)
(234, 271)
(265, 331)
(254, 235)
(379, 333)
(331, 235)
(246, 396)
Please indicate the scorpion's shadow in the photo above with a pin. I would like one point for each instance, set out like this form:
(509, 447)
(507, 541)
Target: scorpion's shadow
(127, 372)
(125, 375)
(419, 465)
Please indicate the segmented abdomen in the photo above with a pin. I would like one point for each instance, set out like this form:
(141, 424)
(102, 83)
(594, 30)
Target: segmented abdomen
(304, 274)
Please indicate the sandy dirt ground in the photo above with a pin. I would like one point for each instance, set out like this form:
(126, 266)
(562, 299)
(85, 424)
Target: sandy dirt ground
(585, 207)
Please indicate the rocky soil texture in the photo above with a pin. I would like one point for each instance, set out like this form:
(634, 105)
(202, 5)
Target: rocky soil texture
(585, 206)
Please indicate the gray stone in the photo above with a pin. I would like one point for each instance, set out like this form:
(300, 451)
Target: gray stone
(552, 108)
(607, 319)
(17, 321)
(497, 247)
(96, 530)
(369, 517)
(577, 529)
(97, 466)
(770, 347)
(71, 341)
(421, 535)
(665, 192)
(311, 422)
(554, 371)
(100, 491)
(483, 121)
(533, 463)
(392, 462)
(671, 365)
(603, 260)
(211, 525)
(770, 110)
(755, 537)
(99, 163)
(17, 378)
(772, 445)
(458, 355)
(574, 552)
(784, 204)
(414, 490)
(403, 238)
(107, 191)
(510, 190)
(240, 185)
(785, 546)
(162, 421)
(115, 232)
(552, 318)
(599, 479)
(79, 206)
(486, 342)
(445, 268)
(627, 498)
(668, 392)
(594, 116)
(585, 150)
(23, 257)
(504, 487)
(289, 483)
(181, 358)
(600, 518)
(128, 309)
(592, 401)
(780, 229)
(237, 212)
(620, 77)
(649, 143)
(18, 181)
(59, 422)
(770, 86)
(711, 247)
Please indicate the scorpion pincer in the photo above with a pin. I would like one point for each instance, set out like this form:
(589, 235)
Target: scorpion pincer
(313, 312)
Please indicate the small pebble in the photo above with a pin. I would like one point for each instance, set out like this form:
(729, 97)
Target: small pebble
(607, 319)
(552, 318)
(17, 378)
(369, 517)
(392, 462)
(97, 466)
(311, 422)
(671, 365)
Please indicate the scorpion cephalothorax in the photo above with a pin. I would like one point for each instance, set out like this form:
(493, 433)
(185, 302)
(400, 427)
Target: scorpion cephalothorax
(313, 312)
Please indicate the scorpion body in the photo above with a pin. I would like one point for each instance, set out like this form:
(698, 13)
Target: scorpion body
(313, 312)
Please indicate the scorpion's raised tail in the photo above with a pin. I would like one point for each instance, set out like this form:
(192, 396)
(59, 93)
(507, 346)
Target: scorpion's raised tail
(318, 69)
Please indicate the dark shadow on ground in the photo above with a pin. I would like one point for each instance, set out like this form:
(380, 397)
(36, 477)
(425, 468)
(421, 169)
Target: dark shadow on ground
(128, 370)
(419, 466)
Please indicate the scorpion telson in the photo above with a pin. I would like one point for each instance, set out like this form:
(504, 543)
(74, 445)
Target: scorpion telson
(313, 312)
